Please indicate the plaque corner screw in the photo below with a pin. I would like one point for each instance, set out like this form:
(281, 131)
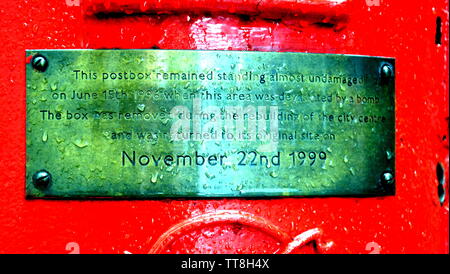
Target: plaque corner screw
(42, 179)
(387, 177)
(39, 62)
(386, 72)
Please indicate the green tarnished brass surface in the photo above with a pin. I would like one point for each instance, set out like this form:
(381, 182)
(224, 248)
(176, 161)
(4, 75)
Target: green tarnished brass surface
(336, 116)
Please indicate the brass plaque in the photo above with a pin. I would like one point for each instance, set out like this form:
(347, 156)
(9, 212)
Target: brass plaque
(179, 123)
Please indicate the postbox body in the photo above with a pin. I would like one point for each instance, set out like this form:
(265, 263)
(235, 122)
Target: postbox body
(414, 220)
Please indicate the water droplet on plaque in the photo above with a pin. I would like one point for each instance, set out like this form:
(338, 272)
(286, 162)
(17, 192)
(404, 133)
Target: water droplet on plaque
(141, 107)
(45, 136)
(389, 154)
(154, 178)
(80, 143)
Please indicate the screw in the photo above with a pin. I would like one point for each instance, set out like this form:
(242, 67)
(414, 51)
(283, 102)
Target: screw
(386, 73)
(42, 179)
(441, 182)
(387, 178)
(39, 63)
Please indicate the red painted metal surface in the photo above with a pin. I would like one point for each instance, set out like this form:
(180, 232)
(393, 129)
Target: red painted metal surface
(412, 221)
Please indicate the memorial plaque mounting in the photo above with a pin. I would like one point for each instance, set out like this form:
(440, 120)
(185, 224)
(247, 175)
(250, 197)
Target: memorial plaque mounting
(180, 123)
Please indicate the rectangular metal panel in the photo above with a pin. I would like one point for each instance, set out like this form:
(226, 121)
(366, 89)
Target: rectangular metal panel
(173, 123)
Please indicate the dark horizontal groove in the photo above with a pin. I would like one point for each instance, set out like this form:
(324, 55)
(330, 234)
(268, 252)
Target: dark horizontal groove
(262, 8)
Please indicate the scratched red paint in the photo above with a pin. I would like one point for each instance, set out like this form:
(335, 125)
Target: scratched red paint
(412, 221)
